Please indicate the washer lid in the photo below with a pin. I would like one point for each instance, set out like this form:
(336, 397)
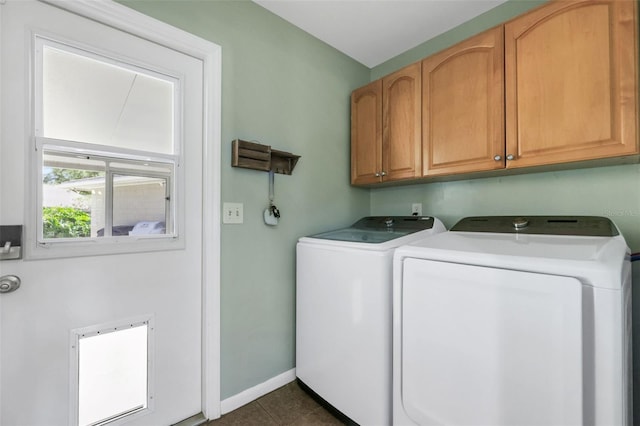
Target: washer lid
(379, 229)
(360, 235)
(586, 226)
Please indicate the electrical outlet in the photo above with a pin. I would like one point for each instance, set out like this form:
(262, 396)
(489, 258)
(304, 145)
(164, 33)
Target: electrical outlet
(232, 213)
(416, 209)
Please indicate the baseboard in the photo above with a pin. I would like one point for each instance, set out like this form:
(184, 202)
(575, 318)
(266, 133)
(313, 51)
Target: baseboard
(251, 394)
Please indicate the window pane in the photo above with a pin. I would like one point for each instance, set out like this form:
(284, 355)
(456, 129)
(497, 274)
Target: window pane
(72, 196)
(139, 205)
(112, 371)
(91, 101)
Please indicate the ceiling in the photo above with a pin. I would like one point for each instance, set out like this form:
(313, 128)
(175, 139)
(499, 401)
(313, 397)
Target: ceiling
(373, 31)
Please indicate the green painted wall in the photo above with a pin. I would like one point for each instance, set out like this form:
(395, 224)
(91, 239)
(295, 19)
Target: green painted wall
(286, 89)
(605, 191)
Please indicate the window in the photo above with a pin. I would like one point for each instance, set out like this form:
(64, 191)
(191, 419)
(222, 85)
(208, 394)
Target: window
(107, 148)
(95, 196)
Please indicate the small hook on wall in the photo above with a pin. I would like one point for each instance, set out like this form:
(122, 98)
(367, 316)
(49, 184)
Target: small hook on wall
(271, 213)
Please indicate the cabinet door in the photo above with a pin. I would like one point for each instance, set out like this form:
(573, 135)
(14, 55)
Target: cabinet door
(571, 84)
(401, 141)
(463, 107)
(366, 134)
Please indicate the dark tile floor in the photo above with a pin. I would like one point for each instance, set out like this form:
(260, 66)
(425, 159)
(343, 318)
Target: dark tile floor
(288, 405)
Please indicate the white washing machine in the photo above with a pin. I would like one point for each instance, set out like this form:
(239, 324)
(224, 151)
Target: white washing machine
(343, 313)
(514, 321)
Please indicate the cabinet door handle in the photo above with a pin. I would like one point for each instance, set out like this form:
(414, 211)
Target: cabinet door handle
(377, 174)
(497, 158)
(510, 157)
(383, 174)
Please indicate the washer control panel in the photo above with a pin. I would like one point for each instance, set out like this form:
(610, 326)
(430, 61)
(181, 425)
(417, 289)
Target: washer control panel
(588, 226)
(407, 224)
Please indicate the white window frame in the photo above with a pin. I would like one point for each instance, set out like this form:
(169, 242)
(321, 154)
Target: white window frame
(114, 155)
(72, 247)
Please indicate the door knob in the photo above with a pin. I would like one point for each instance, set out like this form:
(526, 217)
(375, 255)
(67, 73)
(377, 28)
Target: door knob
(9, 283)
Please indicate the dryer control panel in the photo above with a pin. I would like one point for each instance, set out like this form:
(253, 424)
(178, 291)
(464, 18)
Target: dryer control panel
(588, 226)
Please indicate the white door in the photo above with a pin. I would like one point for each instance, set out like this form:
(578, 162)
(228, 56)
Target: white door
(107, 325)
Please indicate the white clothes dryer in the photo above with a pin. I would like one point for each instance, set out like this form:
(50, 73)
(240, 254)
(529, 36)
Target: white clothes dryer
(343, 313)
(514, 321)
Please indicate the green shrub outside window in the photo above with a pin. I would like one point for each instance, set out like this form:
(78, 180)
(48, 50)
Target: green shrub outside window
(65, 222)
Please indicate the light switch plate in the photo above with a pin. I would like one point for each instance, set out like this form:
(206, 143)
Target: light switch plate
(232, 213)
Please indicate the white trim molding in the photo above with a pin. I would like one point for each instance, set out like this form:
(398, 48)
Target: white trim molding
(251, 394)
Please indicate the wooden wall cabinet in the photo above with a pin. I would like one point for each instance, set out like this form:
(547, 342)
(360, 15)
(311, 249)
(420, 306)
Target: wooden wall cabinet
(366, 134)
(571, 84)
(556, 85)
(463, 107)
(385, 128)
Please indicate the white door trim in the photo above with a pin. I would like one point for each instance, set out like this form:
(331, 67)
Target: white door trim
(128, 20)
(1, 124)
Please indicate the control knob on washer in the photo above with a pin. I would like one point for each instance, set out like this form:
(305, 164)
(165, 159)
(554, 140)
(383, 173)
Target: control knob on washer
(520, 222)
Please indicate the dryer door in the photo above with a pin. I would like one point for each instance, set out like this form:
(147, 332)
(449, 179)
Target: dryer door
(490, 346)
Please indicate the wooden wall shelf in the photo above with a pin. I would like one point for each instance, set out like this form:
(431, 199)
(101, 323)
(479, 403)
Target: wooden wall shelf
(256, 156)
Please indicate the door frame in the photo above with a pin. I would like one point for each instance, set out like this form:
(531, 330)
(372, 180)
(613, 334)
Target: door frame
(130, 21)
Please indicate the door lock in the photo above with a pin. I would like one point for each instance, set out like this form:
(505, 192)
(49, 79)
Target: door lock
(9, 283)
